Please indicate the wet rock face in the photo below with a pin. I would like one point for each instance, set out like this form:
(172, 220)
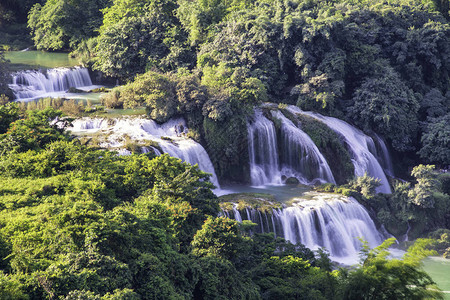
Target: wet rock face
(292, 180)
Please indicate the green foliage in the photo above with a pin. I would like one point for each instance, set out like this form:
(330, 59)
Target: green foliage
(442, 244)
(219, 279)
(422, 194)
(138, 35)
(8, 114)
(130, 46)
(436, 141)
(381, 278)
(232, 90)
(4, 77)
(365, 185)
(198, 17)
(155, 91)
(219, 237)
(11, 289)
(386, 105)
(80, 223)
(418, 209)
(434, 104)
(292, 277)
(33, 132)
(226, 143)
(60, 25)
(112, 99)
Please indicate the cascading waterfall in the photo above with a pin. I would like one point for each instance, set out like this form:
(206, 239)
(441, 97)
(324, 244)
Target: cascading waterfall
(335, 223)
(300, 157)
(89, 124)
(170, 137)
(358, 144)
(263, 151)
(294, 154)
(32, 84)
(383, 155)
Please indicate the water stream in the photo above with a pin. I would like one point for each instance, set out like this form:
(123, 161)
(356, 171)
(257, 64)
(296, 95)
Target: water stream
(34, 84)
(358, 144)
(170, 138)
(289, 153)
(323, 220)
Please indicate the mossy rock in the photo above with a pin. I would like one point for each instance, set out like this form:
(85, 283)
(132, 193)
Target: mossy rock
(75, 90)
(99, 90)
(315, 196)
(166, 138)
(227, 146)
(263, 202)
(292, 181)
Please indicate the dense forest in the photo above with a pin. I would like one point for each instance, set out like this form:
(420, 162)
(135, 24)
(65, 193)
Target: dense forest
(79, 222)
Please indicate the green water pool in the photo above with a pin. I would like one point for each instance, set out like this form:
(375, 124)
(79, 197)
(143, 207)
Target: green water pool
(23, 60)
(439, 269)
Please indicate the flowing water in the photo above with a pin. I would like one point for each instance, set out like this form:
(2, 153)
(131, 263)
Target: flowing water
(329, 221)
(276, 152)
(359, 146)
(263, 151)
(319, 220)
(34, 84)
(292, 154)
(279, 149)
(170, 137)
(383, 155)
(300, 157)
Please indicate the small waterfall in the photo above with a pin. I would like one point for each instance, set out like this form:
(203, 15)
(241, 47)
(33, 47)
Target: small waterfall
(293, 154)
(300, 157)
(263, 151)
(151, 149)
(383, 156)
(89, 124)
(32, 84)
(334, 223)
(170, 137)
(359, 146)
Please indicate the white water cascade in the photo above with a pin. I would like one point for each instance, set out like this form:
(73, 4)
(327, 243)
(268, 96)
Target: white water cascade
(170, 137)
(358, 144)
(263, 151)
(300, 157)
(335, 223)
(31, 84)
(293, 154)
(383, 155)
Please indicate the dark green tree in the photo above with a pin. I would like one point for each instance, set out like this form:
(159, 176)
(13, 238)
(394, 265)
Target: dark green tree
(62, 25)
(436, 141)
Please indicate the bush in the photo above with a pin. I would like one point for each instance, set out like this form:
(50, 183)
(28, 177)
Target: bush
(112, 99)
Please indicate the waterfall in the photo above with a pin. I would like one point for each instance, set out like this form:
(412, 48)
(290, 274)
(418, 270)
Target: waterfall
(300, 157)
(383, 155)
(169, 136)
(359, 146)
(263, 151)
(328, 221)
(89, 124)
(32, 84)
(293, 154)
